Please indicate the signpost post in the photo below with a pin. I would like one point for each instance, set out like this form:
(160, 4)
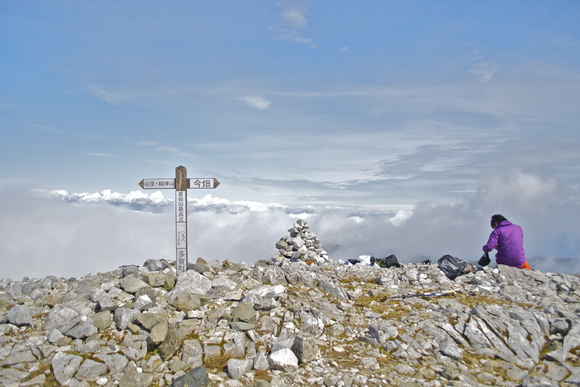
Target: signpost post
(181, 184)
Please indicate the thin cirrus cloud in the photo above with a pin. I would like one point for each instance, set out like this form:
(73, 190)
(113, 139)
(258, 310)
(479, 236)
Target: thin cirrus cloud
(483, 71)
(481, 68)
(100, 154)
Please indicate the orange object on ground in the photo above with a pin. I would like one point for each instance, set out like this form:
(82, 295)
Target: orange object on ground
(526, 265)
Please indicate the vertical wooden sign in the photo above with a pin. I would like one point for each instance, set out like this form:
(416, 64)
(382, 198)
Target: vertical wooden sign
(181, 218)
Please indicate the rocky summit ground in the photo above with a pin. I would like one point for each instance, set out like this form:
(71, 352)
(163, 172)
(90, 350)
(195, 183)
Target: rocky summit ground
(288, 323)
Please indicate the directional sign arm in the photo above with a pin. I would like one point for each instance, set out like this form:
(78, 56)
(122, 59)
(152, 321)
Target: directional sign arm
(202, 183)
(157, 183)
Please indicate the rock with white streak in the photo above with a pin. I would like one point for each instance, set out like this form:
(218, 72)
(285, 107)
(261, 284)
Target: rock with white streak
(284, 360)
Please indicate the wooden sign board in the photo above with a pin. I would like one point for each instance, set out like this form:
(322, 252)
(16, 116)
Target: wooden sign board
(181, 183)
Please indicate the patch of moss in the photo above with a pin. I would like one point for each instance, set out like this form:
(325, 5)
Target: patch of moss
(217, 362)
(473, 300)
(262, 375)
(575, 361)
(193, 335)
(150, 354)
(49, 381)
(394, 309)
(348, 279)
(344, 359)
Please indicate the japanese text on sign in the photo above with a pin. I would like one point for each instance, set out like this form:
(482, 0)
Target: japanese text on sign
(202, 183)
(181, 260)
(159, 183)
(180, 206)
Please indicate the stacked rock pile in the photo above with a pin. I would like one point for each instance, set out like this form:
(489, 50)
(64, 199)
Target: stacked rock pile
(302, 244)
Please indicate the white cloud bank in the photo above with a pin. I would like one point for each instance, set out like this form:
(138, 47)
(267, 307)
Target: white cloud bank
(64, 234)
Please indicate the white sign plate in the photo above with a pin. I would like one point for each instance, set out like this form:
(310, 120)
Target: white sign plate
(202, 183)
(157, 183)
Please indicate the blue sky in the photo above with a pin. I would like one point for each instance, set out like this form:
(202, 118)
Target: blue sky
(467, 108)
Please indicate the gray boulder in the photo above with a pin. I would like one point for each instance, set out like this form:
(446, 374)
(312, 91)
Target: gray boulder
(449, 348)
(18, 355)
(306, 349)
(186, 301)
(20, 315)
(143, 302)
(125, 316)
(82, 329)
(190, 282)
(197, 377)
(149, 320)
(284, 360)
(238, 367)
(102, 320)
(65, 366)
(91, 370)
(132, 284)
(154, 279)
(155, 265)
(244, 312)
(261, 361)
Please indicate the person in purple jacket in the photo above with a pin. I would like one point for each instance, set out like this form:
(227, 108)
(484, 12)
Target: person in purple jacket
(508, 239)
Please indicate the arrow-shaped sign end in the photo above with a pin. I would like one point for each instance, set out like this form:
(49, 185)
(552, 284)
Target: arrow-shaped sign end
(215, 183)
(141, 183)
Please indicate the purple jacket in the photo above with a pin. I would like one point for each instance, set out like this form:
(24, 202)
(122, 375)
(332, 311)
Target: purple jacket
(508, 238)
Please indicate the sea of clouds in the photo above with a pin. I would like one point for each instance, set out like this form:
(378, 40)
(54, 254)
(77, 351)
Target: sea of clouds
(72, 234)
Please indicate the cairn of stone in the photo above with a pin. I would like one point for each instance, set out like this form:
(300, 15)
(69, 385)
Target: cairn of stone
(301, 245)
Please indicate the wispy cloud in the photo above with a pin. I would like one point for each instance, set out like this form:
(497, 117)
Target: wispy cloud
(294, 23)
(99, 154)
(483, 71)
(482, 68)
(116, 95)
(113, 98)
(48, 129)
(167, 149)
(257, 102)
(345, 50)
(295, 17)
(175, 151)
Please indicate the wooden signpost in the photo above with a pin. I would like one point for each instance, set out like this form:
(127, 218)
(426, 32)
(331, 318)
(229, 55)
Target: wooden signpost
(180, 184)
